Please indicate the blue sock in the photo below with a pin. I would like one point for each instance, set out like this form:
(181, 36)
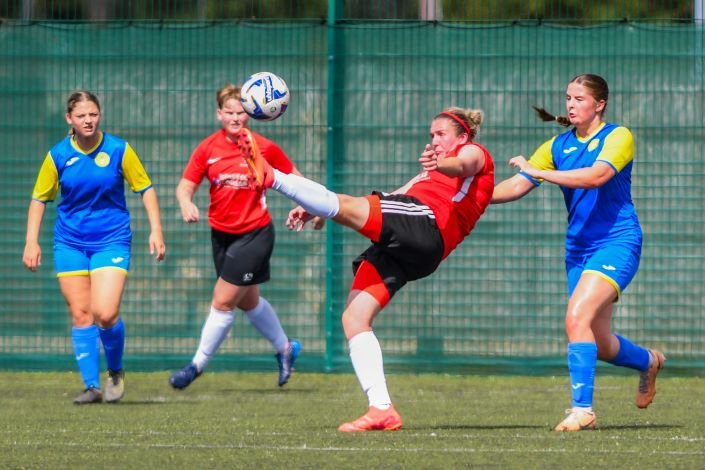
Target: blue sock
(631, 355)
(87, 351)
(113, 344)
(582, 359)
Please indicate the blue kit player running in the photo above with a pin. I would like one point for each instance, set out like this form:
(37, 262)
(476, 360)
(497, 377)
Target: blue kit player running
(592, 164)
(92, 237)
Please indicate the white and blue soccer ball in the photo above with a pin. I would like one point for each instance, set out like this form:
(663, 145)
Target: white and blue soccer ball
(264, 96)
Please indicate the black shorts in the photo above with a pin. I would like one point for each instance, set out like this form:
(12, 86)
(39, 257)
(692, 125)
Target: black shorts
(410, 245)
(243, 259)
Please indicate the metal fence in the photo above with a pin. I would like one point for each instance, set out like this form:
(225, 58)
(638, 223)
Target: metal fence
(363, 93)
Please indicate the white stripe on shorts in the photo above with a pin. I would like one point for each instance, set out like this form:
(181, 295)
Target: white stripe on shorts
(408, 208)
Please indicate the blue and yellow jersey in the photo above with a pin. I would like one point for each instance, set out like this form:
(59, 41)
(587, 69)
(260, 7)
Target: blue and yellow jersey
(600, 215)
(92, 212)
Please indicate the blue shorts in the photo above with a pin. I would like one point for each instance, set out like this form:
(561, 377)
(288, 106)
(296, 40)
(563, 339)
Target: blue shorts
(70, 261)
(616, 263)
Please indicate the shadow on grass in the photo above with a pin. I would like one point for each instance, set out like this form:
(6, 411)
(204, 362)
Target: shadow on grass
(638, 427)
(144, 402)
(478, 427)
(616, 427)
(269, 391)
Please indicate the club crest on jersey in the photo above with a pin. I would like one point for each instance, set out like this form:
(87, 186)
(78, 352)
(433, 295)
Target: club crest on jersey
(102, 159)
(593, 144)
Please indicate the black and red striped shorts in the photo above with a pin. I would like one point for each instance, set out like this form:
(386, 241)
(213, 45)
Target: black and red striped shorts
(410, 245)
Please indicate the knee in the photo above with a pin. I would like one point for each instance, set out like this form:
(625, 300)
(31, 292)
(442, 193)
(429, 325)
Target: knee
(106, 320)
(576, 323)
(81, 318)
(227, 302)
(354, 324)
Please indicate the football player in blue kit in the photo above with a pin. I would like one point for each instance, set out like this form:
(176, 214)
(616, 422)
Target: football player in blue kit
(92, 237)
(592, 164)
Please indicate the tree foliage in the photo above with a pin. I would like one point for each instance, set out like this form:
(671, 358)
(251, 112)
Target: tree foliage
(446, 10)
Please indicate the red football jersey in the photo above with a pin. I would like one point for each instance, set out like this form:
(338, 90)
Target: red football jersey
(456, 202)
(235, 207)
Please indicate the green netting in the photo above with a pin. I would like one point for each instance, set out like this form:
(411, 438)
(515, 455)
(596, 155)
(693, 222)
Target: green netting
(363, 96)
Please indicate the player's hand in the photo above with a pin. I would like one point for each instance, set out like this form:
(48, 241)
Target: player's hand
(429, 159)
(157, 246)
(519, 162)
(32, 256)
(318, 223)
(189, 212)
(297, 219)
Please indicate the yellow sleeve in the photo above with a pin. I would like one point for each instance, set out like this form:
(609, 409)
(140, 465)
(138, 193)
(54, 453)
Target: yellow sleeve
(618, 149)
(135, 174)
(542, 158)
(47, 185)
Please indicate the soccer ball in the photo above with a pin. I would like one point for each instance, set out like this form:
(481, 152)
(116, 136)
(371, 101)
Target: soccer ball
(264, 96)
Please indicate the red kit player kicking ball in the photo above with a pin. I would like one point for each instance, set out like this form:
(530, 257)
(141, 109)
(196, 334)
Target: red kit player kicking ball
(412, 230)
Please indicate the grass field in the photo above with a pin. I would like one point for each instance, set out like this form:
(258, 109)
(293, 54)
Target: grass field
(242, 420)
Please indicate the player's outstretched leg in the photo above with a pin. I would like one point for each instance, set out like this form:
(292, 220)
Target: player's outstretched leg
(647, 379)
(286, 361)
(315, 198)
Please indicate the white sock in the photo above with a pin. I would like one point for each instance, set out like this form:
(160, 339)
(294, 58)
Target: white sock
(215, 330)
(366, 356)
(265, 320)
(314, 197)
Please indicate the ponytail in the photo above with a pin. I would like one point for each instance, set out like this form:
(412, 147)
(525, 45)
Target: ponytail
(546, 117)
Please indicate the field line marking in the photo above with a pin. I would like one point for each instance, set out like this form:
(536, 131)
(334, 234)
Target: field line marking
(306, 448)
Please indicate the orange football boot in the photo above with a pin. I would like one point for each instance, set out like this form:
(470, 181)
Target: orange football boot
(647, 379)
(374, 420)
(259, 167)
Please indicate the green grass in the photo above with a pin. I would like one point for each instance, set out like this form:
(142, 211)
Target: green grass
(243, 420)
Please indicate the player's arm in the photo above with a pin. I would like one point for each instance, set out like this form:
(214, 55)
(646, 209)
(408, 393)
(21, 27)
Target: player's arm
(586, 178)
(521, 184)
(45, 189)
(512, 189)
(184, 196)
(616, 153)
(469, 162)
(139, 181)
(156, 238)
(193, 174)
(32, 256)
(405, 188)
